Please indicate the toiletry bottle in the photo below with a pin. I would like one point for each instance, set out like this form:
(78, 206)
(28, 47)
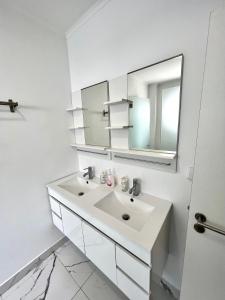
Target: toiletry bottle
(110, 181)
(103, 177)
(124, 184)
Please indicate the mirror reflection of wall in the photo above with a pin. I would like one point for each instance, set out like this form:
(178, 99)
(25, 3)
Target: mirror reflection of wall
(155, 92)
(96, 116)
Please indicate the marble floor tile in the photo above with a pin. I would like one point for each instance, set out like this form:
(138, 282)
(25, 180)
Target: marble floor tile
(80, 296)
(78, 265)
(20, 288)
(158, 293)
(69, 253)
(9, 284)
(81, 272)
(68, 275)
(48, 281)
(98, 287)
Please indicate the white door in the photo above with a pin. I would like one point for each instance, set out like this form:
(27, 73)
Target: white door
(204, 265)
(72, 227)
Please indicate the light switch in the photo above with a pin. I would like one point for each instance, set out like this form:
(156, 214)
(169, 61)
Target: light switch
(190, 173)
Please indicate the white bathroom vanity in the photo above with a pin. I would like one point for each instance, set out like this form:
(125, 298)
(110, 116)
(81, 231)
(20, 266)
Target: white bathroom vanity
(126, 237)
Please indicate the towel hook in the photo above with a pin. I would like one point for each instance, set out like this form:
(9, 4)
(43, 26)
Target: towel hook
(12, 105)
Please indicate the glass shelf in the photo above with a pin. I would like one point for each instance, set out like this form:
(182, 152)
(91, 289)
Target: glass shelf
(76, 128)
(119, 127)
(75, 109)
(122, 101)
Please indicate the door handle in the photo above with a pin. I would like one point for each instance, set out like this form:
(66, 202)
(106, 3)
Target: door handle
(202, 225)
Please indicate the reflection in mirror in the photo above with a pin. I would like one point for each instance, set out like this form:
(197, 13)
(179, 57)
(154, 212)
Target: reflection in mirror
(96, 116)
(155, 92)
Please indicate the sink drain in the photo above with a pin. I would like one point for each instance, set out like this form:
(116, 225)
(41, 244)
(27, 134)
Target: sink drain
(81, 194)
(125, 217)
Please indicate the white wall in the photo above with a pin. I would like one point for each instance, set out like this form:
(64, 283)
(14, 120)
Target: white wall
(129, 34)
(34, 142)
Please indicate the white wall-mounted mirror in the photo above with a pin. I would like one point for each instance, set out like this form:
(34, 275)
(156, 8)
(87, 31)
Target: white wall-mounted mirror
(95, 114)
(156, 94)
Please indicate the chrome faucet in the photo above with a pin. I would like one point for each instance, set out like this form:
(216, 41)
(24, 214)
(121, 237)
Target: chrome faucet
(90, 172)
(136, 189)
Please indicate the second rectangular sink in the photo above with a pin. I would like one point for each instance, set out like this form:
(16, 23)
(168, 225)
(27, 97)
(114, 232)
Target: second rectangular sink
(131, 211)
(78, 186)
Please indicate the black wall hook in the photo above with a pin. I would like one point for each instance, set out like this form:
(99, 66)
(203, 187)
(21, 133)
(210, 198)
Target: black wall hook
(12, 105)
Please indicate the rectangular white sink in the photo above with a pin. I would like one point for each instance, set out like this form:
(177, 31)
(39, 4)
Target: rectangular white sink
(78, 186)
(131, 211)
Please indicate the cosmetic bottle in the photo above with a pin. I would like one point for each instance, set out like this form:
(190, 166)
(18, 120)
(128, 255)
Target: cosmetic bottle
(110, 181)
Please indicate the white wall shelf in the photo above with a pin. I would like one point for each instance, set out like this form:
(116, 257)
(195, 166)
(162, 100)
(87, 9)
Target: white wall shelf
(71, 109)
(77, 128)
(119, 127)
(91, 149)
(155, 157)
(122, 101)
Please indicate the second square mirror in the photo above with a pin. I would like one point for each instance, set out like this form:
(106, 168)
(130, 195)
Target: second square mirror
(155, 91)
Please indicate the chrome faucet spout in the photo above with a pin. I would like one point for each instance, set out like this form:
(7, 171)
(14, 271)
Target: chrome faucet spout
(90, 172)
(131, 190)
(136, 189)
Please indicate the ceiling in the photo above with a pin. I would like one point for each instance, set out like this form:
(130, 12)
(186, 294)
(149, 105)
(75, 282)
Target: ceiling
(59, 15)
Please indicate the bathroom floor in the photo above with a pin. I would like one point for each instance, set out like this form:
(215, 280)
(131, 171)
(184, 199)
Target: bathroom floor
(68, 275)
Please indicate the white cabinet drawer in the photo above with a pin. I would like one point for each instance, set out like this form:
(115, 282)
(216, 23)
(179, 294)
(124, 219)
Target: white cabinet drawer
(133, 267)
(55, 206)
(57, 221)
(72, 227)
(129, 288)
(100, 250)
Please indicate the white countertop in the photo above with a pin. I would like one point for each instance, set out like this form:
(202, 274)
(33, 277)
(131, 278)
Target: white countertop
(140, 243)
